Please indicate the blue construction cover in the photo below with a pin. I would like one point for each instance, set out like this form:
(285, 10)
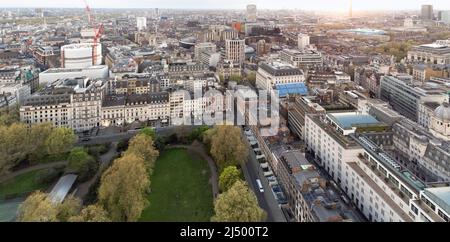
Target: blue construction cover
(292, 88)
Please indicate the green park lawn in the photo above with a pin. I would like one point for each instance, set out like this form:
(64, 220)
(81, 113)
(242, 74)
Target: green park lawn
(180, 189)
(21, 184)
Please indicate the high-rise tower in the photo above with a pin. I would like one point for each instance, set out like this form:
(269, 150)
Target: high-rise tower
(350, 14)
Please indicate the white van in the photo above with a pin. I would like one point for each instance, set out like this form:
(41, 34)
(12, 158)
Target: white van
(261, 189)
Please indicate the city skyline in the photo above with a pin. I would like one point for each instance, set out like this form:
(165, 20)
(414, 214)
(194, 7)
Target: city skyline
(325, 5)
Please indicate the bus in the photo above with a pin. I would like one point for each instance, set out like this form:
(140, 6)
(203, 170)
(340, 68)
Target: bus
(261, 189)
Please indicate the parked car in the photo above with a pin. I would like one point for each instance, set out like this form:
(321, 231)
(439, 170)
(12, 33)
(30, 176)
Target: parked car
(261, 188)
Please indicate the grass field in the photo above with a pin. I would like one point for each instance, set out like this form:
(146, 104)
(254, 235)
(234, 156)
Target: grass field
(180, 189)
(21, 184)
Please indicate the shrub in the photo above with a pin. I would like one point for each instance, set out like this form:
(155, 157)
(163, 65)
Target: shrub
(82, 164)
(50, 175)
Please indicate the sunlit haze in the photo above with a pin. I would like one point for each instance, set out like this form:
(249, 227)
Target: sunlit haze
(326, 5)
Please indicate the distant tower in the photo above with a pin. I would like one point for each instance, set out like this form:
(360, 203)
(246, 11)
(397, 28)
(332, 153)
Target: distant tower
(351, 9)
(427, 12)
(252, 13)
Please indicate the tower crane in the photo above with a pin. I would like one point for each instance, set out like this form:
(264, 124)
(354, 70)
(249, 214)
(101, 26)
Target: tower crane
(98, 31)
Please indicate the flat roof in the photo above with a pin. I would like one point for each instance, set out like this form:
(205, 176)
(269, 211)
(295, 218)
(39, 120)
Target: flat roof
(62, 188)
(441, 196)
(349, 120)
(292, 88)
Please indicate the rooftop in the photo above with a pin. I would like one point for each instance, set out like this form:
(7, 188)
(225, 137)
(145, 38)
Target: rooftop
(280, 69)
(441, 196)
(292, 88)
(62, 188)
(322, 199)
(350, 120)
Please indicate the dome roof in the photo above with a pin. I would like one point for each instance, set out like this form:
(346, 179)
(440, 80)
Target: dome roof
(443, 112)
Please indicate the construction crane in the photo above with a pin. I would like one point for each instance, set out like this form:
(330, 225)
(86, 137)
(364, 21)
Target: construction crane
(98, 31)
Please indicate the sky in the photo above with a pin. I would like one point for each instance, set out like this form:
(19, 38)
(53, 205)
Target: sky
(325, 5)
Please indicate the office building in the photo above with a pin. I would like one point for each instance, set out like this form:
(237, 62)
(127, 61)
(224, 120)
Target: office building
(376, 183)
(426, 153)
(435, 53)
(269, 75)
(303, 41)
(445, 16)
(405, 97)
(141, 23)
(118, 110)
(309, 195)
(206, 47)
(72, 103)
(301, 58)
(235, 50)
(93, 72)
(427, 12)
(83, 55)
(252, 13)
(298, 109)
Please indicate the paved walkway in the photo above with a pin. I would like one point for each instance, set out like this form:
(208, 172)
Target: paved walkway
(32, 168)
(105, 160)
(199, 149)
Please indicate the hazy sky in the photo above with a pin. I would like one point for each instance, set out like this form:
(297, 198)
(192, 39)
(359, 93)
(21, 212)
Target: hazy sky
(342, 5)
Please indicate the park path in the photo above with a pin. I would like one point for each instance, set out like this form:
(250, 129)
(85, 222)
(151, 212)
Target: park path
(32, 168)
(105, 160)
(199, 149)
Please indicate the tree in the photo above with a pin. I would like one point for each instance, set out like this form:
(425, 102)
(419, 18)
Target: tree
(39, 133)
(10, 116)
(251, 77)
(123, 188)
(235, 78)
(143, 147)
(69, 208)
(228, 177)
(238, 204)
(227, 146)
(91, 213)
(81, 163)
(198, 132)
(60, 141)
(38, 208)
(149, 132)
(14, 145)
(208, 136)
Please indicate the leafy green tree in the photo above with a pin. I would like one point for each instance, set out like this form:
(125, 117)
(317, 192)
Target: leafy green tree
(198, 132)
(235, 78)
(69, 208)
(143, 147)
(39, 133)
(38, 208)
(10, 116)
(228, 146)
(91, 213)
(149, 132)
(81, 163)
(124, 187)
(228, 177)
(60, 141)
(238, 204)
(14, 145)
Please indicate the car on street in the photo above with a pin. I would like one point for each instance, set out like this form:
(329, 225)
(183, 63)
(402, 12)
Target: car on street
(260, 186)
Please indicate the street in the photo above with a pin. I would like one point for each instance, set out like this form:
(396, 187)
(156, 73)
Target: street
(252, 171)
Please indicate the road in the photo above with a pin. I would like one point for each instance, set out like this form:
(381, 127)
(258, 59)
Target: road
(32, 168)
(252, 171)
(105, 160)
(118, 136)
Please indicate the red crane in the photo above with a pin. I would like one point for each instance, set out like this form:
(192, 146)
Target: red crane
(98, 31)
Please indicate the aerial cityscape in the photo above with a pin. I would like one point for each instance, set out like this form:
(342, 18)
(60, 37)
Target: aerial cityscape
(206, 111)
